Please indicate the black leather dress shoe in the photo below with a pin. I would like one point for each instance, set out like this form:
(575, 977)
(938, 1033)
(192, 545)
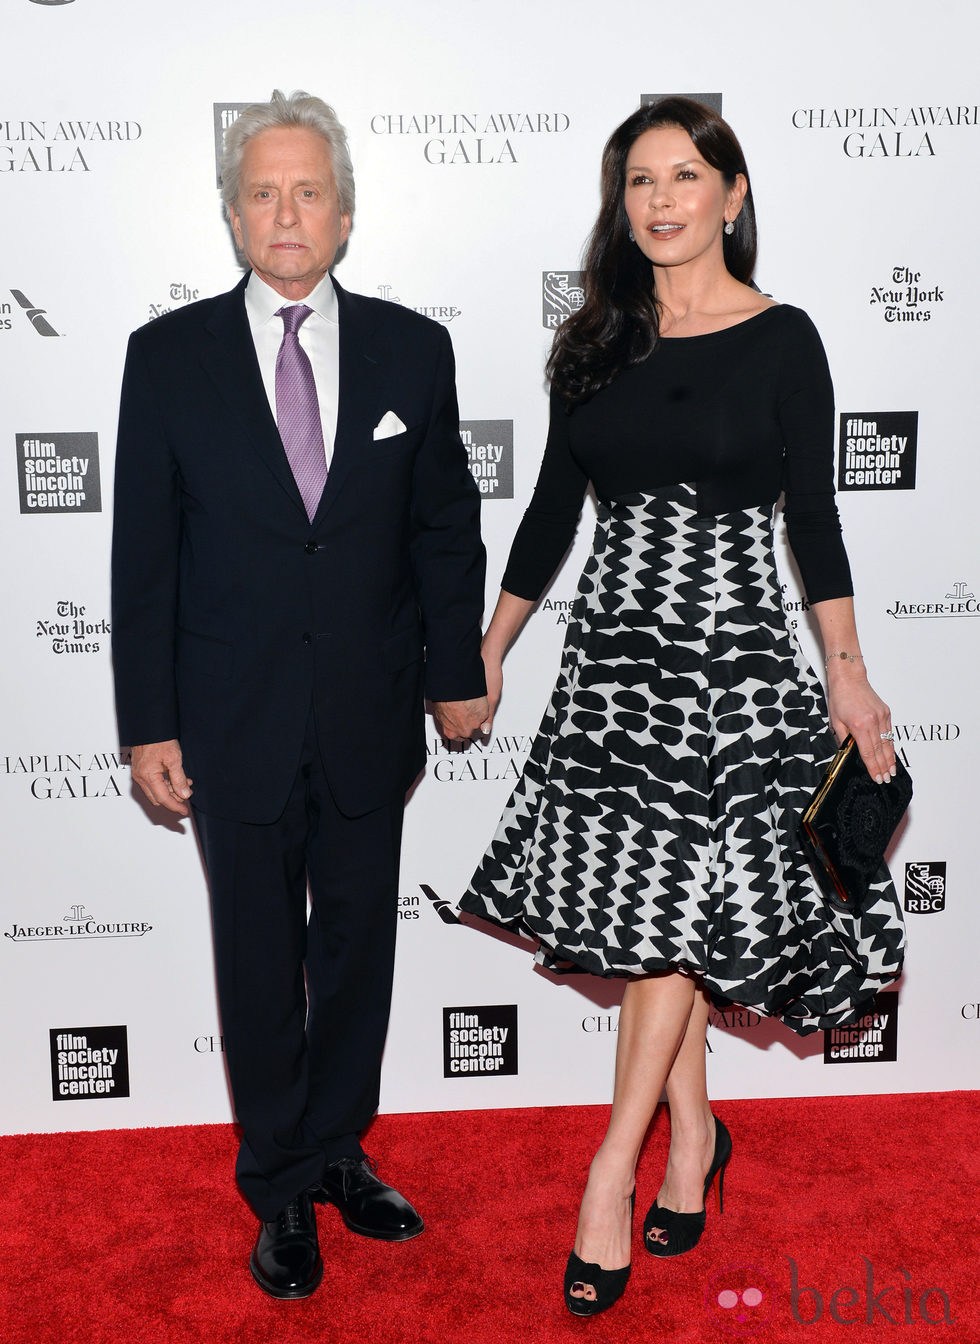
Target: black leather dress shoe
(286, 1259)
(366, 1204)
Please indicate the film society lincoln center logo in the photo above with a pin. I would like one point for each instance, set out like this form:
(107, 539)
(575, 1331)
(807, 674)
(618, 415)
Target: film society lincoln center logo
(225, 115)
(490, 448)
(872, 1039)
(89, 1063)
(877, 449)
(59, 473)
(479, 1041)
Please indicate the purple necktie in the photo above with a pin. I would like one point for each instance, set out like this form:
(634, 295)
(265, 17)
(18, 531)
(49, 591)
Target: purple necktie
(298, 411)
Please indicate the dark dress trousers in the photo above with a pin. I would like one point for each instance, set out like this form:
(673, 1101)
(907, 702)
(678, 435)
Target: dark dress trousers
(290, 659)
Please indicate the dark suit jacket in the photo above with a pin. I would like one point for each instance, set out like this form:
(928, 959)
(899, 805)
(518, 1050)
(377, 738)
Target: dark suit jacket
(232, 613)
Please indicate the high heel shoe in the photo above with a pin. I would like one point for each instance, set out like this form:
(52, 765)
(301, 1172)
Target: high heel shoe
(609, 1284)
(666, 1232)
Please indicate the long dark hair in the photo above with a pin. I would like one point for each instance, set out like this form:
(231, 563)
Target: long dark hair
(619, 322)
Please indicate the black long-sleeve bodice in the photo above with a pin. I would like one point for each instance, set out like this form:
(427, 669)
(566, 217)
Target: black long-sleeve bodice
(744, 413)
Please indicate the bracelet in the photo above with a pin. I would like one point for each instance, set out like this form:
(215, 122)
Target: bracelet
(851, 657)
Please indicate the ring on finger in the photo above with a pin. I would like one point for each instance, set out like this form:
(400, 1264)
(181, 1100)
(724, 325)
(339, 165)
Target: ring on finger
(887, 737)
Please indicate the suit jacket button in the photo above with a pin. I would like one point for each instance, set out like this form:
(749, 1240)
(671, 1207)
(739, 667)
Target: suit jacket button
(311, 548)
(307, 638)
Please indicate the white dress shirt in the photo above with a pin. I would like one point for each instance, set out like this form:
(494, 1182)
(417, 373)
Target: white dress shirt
(319, 336)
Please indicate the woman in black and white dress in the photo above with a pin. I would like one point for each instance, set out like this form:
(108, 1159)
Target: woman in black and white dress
(652, 833)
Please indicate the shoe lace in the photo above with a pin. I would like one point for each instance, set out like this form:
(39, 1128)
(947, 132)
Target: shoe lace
(291, 1220)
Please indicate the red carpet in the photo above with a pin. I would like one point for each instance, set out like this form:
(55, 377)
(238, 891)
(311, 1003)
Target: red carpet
(139, 1236)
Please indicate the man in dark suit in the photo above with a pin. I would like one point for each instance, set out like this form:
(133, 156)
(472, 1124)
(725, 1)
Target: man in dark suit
(296, 564)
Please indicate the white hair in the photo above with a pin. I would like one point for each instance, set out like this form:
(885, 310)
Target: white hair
(300, 110)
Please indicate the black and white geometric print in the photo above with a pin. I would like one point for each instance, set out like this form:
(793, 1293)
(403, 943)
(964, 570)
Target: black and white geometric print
(654, 825)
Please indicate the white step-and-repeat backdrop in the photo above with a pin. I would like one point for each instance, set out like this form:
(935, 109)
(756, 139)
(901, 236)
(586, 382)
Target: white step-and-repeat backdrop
(476, 133)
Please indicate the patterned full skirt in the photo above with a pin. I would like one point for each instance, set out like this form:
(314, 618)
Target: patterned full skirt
(654, 826)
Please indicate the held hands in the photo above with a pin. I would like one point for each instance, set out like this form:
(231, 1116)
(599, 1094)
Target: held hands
(856, 709)
(157, 768)
(494, 673)
(459, 720)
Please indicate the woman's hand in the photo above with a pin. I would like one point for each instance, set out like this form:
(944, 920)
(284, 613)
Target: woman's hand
(856, 709)
(495, 682)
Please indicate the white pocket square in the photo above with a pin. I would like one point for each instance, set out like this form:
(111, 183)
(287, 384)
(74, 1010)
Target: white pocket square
(388, 425)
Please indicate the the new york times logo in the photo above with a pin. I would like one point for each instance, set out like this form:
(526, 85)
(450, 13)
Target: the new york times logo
(36, 316)
(876, 450)
(562, 294)
(489, 446)
(873, 1039)
(712, 100)
(89, 1063)
(225, 115)
(904, 299)
(479, 1040)
(925, 888)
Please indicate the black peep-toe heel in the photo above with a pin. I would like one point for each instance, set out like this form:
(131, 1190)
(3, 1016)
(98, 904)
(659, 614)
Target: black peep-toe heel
(666, 1232)
(609, 1284)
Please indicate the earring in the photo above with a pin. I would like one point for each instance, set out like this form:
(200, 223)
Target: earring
(730, 228)
(632, 236)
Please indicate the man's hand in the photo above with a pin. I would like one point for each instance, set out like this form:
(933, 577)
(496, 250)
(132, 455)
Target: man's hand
(459, 720)
(158, 770)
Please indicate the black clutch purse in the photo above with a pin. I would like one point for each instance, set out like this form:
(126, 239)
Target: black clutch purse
(848, 824)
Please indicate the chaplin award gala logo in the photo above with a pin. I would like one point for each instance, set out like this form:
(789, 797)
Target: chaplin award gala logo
(449, 139)
(897, 132)
(876, 450)
(562, 294)
(62, 776)
(479, 761)
(59, 146)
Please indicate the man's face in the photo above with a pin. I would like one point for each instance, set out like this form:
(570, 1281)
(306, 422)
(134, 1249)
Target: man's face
(287, 220)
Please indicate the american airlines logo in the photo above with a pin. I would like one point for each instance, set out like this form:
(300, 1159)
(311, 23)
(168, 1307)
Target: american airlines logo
(36, 316)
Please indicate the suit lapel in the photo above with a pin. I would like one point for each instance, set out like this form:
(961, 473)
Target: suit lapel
(232, 364)
(359, 390)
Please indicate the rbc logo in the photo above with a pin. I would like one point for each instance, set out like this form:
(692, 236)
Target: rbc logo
(562, 294)
(925, 888)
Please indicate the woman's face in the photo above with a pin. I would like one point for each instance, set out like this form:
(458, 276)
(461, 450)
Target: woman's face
(676, 203)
